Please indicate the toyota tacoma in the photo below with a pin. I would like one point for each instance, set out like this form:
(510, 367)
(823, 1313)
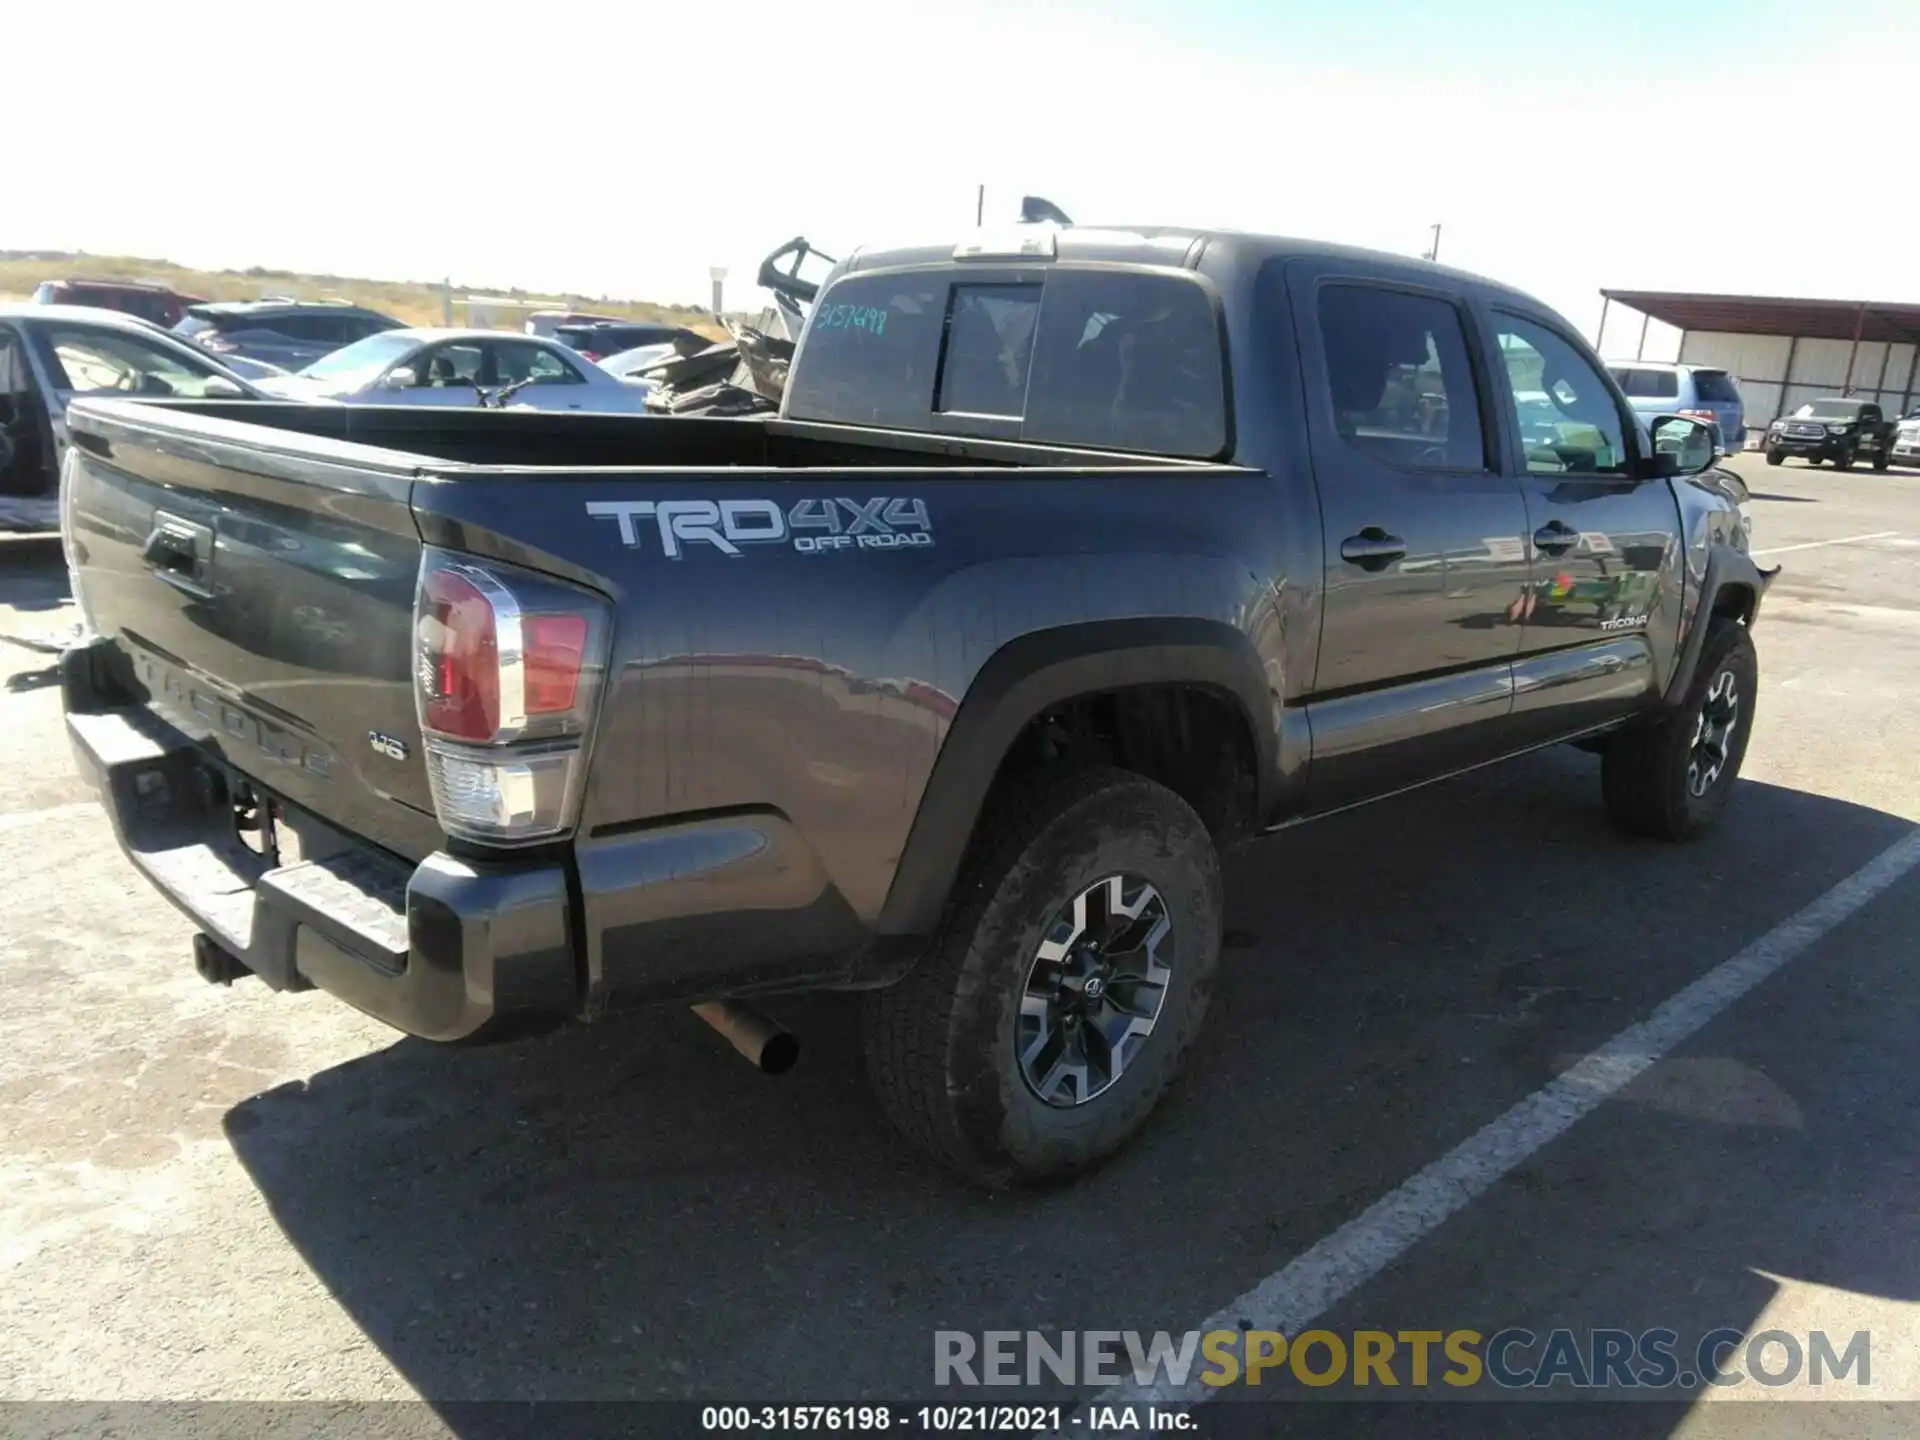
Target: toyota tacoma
(1071, 557)
(1835, 429)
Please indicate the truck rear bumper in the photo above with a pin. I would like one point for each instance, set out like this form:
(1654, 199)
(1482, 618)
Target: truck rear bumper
(437, 950)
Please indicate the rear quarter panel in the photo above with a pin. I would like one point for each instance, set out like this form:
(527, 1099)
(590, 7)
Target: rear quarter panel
(819, 687)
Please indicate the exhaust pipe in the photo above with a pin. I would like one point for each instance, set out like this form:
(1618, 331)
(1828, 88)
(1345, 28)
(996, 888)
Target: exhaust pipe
(768, 1048)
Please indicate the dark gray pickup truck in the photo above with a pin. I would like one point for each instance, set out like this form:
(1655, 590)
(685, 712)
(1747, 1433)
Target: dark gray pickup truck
(1069, 560)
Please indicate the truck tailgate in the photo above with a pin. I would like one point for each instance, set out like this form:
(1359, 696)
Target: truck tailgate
(263, 602)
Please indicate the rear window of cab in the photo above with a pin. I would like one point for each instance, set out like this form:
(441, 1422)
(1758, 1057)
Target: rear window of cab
(1091, 358)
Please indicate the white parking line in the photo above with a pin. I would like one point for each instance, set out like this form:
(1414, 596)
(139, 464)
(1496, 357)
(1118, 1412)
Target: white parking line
(1362, 1248)
(1816, 544)
(19, 819)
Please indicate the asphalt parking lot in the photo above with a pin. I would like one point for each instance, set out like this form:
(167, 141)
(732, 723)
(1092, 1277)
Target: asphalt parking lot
(212, 1195)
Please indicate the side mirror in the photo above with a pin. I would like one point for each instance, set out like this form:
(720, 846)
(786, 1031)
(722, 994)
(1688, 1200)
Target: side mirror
(1681, 446)
(218, 387)
(401, 377)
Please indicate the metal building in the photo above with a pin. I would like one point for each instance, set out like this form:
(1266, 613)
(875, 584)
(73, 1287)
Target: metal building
(1784, 352)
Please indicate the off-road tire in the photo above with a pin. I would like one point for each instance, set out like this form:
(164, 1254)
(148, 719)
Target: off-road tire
(1774, 457)
(1644, 775)
(1883, 457)
(940, 1044)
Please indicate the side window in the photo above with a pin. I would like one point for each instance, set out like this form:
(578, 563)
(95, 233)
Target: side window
(1870, 413)
(1647, 384)
(448, 366)
(1568, 421)
(1400, 378)
(534, 364)
(989, 346)
(97, 362)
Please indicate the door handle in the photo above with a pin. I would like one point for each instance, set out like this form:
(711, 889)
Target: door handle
(1555, 538)
(1372, 549)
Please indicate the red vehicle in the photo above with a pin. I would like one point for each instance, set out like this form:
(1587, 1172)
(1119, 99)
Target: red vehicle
(156, 303)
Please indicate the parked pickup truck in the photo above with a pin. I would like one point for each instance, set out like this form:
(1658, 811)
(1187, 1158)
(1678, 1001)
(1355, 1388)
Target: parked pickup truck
(1835, 429)
(1070, 559)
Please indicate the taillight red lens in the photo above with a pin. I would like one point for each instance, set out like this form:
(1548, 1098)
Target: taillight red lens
(459, 659)
(555, 646)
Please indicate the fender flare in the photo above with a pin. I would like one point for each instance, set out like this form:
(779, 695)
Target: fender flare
(1029, 675)
(1725, 567)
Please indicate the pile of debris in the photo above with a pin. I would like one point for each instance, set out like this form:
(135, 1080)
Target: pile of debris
(747, 374)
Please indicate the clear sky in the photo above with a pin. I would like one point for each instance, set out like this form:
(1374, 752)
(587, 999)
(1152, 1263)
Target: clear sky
(1728, 145)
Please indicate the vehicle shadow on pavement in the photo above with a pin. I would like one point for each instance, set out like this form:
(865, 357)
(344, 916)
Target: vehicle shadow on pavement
(627, 1211)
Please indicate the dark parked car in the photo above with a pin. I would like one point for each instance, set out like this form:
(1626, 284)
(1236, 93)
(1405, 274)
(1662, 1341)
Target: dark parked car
(289, 334)
(156, 303)
(598, 341)
(49, 354)
(1835, 429)
(1068, 561)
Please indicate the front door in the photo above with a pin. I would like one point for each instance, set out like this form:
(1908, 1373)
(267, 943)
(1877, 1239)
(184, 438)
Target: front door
(1603, 608)
(1426, 559)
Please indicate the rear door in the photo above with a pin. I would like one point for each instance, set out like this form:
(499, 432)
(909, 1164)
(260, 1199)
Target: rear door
(261, 584)
(1603, 605)
(1425, 550)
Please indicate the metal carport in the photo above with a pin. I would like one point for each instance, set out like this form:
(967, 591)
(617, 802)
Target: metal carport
(1784, 352)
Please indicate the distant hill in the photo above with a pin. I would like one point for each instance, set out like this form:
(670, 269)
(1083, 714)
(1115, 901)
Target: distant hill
(417, 303)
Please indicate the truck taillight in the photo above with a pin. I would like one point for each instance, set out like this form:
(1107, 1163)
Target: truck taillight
(507, 667)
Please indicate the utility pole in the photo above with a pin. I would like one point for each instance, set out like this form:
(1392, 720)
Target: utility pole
(1434, 253)
(980, 207)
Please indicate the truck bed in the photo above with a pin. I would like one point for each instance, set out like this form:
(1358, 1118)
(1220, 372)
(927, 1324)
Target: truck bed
(774, 703)
(546, 440)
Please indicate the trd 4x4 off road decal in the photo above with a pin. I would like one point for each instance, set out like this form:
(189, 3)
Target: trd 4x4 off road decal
(811, 526)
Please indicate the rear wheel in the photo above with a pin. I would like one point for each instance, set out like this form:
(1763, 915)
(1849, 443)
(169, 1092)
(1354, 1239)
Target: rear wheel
(1065, 989)
(1883, 457)
(1672, 780)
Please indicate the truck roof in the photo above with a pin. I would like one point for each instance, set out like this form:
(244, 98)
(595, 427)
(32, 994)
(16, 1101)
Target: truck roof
(1180, 246)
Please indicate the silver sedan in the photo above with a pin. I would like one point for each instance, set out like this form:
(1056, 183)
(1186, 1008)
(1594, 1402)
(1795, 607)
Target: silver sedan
(459, 367)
